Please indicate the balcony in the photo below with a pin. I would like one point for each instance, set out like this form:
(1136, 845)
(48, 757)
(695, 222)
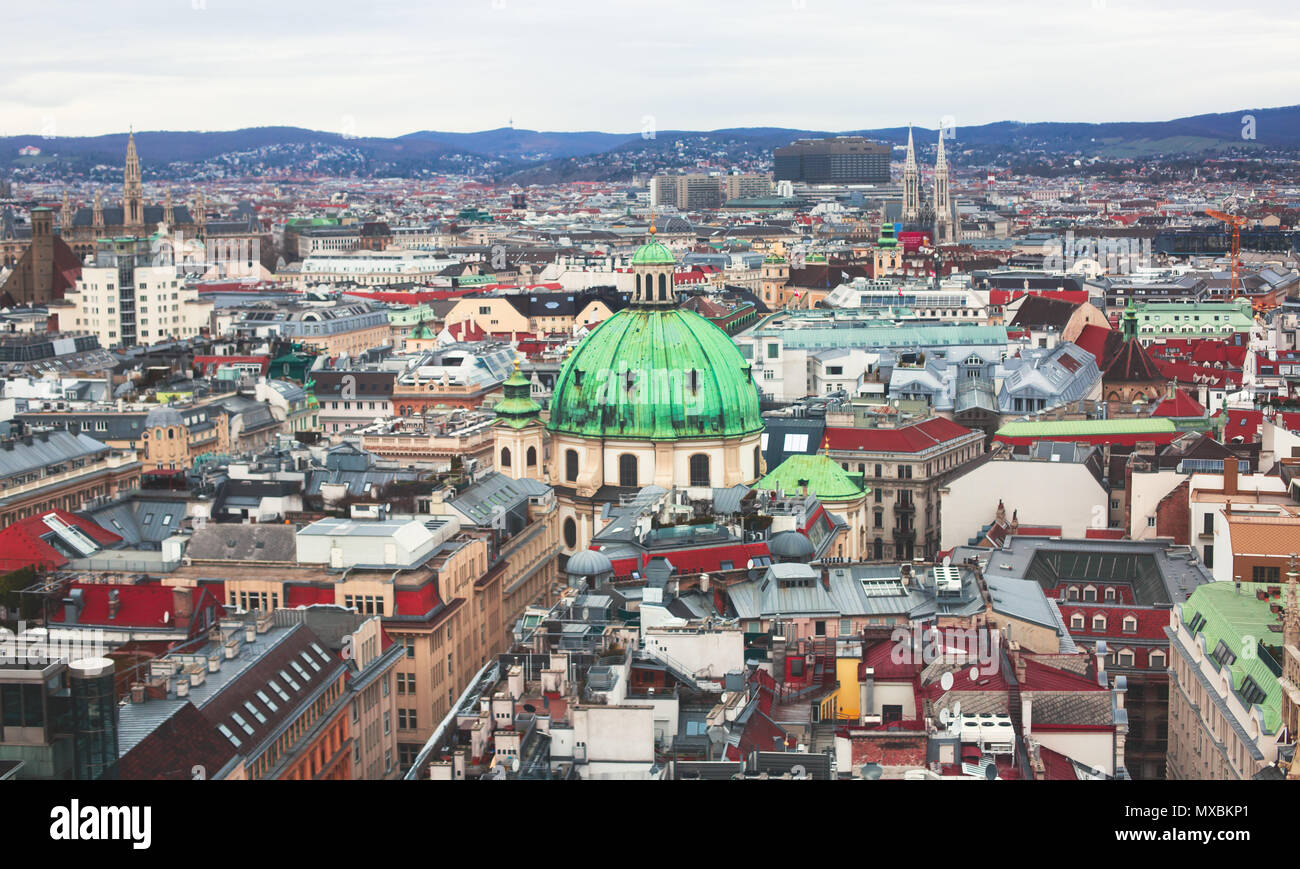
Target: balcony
(904, 533)
(908, 507)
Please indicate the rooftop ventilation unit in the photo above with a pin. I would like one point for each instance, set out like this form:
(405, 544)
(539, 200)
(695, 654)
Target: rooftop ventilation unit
(947, 580)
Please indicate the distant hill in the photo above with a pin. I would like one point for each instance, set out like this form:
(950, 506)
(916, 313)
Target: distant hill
(535, 155)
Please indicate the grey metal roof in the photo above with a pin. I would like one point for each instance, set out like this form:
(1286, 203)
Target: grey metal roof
(45, 449)
(1021, 599)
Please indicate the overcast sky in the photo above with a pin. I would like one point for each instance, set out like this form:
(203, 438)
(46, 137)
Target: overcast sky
(388, 67)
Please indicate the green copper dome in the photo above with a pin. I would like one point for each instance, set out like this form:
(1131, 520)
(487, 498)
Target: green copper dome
(822, 475)
(653, 254)
(655, 374)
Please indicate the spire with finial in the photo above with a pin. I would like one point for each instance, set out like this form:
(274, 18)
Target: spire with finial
(132, 186)
(911, 183)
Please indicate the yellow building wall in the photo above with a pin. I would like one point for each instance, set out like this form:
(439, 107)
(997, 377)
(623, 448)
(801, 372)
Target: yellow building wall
(847, 698)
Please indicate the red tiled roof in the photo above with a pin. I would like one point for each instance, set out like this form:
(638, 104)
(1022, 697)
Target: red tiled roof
(1042, 677)
(906, 439)
(1096, 339)
(145, 605)
(1132, 364)
(22, 544)
(1180, 405)
(1056, 766)
(1185, 372)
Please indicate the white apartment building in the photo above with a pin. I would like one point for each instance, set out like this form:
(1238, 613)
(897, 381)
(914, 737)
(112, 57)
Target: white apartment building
(132, 296)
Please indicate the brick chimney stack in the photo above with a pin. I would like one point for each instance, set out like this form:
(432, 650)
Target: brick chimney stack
(1230, 476)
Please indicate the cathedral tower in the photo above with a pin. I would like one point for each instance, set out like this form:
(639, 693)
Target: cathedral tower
(944, 231)
(132, 190)
(911, 183)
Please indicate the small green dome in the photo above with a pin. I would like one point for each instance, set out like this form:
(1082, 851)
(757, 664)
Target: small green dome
(517, 408)
(653, 253)
(822, 475)
(656, 374)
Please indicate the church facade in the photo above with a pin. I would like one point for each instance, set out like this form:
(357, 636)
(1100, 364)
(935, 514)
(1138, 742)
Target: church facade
(940, 212)
(654, 396)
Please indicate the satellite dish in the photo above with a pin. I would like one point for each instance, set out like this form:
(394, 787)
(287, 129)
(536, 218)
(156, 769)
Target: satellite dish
(872, 771)
(947, 560)
(514, 765)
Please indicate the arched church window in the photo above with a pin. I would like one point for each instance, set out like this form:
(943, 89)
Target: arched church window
(571, 465)
(700, 470)
(505, 457)
(570, 533)
(531, 456)
(627, 475)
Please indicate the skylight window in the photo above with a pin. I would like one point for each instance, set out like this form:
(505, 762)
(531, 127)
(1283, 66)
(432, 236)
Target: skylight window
(300, 671)
(292, 682)
(270, 704)
(225, 731)
(256, 713)
(239, 719)
(275, 686)
(311, 661)
(1223, 654)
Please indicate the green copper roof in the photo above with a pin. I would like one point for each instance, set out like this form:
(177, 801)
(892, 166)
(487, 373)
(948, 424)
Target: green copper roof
(1086, 427)
(1239, 620)
(422, 332)
(655, 374)
(518, 408)
(653, 254)
(825, 478)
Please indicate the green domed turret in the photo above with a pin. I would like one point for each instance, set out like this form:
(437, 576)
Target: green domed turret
(653, 252)
(518, 407)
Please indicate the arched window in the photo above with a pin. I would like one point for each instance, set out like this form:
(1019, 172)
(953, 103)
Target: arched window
(532, 456)
(571, 465)
(171, 434)
(505, 457)
(878, 549)
(627, 470)
(570, 533)
(758, 461)
(700, 475)
(663, 287)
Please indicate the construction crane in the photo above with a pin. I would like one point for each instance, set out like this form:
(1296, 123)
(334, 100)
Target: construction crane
(1236, 222)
